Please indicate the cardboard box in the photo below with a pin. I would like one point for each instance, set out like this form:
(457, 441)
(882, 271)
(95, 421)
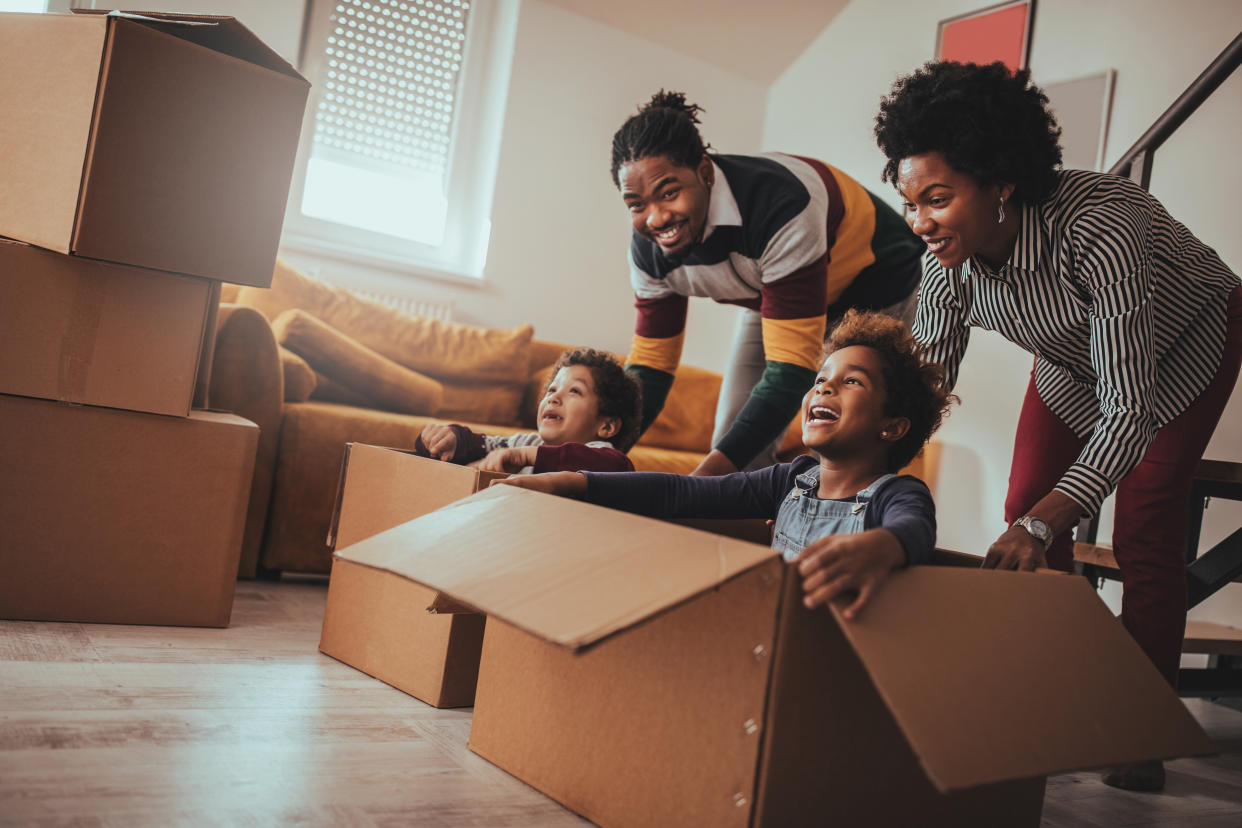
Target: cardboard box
(161, 141)
(119, 517)
(648, 674)
(83, 331)
(380, 623)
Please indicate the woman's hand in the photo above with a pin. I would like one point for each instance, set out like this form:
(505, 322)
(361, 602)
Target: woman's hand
(508, 460)
(1016, 549)
(440, 440)
(837, 564)
(565, 484)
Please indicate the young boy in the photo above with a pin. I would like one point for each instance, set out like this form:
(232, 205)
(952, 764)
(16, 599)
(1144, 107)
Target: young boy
(588, 418)
(844, 517)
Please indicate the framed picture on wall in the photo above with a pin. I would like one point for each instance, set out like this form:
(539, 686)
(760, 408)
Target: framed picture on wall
(1082, 108)
(1001, 32)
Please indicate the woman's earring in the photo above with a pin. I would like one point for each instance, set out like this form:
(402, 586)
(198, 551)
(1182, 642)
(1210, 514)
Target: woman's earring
(1000, 212)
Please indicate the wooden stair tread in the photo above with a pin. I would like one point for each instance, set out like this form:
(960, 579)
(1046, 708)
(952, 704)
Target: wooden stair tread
(1218, 478)
(1213, 639)
(1096, 554)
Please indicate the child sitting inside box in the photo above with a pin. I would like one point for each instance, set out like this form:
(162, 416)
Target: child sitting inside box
(588, 418)
(845, 517)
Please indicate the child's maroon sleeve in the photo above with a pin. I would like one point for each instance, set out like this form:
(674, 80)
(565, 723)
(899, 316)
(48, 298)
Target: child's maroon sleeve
(579, 457)
(470, 446)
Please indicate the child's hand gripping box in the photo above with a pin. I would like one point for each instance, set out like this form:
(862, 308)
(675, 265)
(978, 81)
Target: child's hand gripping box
(389, 627)
(643, 673)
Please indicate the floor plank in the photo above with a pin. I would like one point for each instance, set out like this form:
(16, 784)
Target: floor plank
(106, 725)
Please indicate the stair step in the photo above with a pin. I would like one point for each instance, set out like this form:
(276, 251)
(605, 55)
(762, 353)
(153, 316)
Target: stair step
(1096, 554)
(1213, 639)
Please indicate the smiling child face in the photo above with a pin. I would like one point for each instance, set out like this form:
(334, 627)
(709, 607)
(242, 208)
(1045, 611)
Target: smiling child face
(667, 202)
(569, 410)
(843, 413)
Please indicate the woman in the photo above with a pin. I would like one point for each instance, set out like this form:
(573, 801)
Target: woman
(793, 241)
(1136, 328)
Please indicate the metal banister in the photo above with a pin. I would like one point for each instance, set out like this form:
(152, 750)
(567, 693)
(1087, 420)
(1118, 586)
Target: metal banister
(1136, 162)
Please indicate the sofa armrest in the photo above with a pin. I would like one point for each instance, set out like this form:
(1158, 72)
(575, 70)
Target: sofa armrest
(247, 379)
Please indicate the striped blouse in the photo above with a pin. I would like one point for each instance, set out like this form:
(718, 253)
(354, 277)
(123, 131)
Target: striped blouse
(1123, 308)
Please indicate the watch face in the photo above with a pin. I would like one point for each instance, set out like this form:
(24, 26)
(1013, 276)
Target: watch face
(1040, 528)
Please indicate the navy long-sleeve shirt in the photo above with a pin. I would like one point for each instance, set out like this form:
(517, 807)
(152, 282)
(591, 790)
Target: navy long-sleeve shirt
(903, 505)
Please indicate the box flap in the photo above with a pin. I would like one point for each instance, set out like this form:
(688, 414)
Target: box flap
(567, 571)
(219, 33)
(1005, 675)
(383, 487)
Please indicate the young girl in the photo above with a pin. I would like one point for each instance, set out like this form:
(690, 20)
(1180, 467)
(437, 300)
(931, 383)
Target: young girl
(588, 418)
(845, 517)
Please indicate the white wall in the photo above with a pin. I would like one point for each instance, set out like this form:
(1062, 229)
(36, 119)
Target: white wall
(560, 229)
(825, 105)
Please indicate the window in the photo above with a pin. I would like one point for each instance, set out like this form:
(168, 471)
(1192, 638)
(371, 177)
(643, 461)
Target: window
(399, 146)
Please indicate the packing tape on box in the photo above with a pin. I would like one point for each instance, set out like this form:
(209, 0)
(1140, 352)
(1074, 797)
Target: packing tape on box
(77, 346)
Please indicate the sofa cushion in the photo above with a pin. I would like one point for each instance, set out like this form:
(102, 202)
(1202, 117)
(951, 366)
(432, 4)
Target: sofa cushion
(444, 350)
(689, 413)
(378, 381)
(299, 376)
(482, 402)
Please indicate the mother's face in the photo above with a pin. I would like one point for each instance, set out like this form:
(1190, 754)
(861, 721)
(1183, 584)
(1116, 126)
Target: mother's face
(955, 214)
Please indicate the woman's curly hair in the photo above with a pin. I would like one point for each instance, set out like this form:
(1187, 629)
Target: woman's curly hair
(914, 389)
(617, 390)
(665, 125)
(985, 121)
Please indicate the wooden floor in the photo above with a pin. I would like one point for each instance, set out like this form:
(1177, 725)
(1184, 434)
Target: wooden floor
(130, 726)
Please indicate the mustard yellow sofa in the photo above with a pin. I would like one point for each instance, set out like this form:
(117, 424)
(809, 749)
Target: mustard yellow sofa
(317, 367)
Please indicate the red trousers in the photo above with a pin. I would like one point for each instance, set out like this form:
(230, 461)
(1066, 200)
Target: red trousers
(1149, 523)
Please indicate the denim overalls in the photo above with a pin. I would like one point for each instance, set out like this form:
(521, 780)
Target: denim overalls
(803, 517)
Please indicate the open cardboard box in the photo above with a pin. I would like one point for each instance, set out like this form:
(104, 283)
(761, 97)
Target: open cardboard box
(157, 140)
(380, 623)
(85, 331)
(390, 627)
(119, 517)
(643, 673)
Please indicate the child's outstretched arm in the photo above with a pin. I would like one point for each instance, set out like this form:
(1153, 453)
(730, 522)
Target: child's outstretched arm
(507, 460)
(565, 484)
(837, 564)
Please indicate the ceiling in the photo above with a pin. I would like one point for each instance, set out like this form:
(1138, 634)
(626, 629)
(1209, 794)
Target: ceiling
(757, 39)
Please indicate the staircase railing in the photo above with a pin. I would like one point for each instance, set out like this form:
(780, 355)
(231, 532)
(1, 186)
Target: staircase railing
(1135, 164)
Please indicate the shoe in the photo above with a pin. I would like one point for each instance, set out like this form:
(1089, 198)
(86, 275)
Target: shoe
(1135, 776)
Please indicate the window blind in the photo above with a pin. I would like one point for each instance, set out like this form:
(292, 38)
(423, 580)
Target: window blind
(390, 85)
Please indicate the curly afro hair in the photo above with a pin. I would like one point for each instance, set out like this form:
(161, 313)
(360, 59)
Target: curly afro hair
(984, 120)
(914, 389)
(618, 391)
(665, 125)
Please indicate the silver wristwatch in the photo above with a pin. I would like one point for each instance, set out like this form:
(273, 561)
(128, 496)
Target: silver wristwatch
(1037, 528)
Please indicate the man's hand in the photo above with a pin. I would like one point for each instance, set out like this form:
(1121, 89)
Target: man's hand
(508, 460)
(440, 440)
(837, 564)
(713, 464)
(1016, 549)
(565, 484)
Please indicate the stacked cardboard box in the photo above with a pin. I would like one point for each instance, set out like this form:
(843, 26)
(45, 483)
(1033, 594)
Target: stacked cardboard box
(643, 673)
(147, 159)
